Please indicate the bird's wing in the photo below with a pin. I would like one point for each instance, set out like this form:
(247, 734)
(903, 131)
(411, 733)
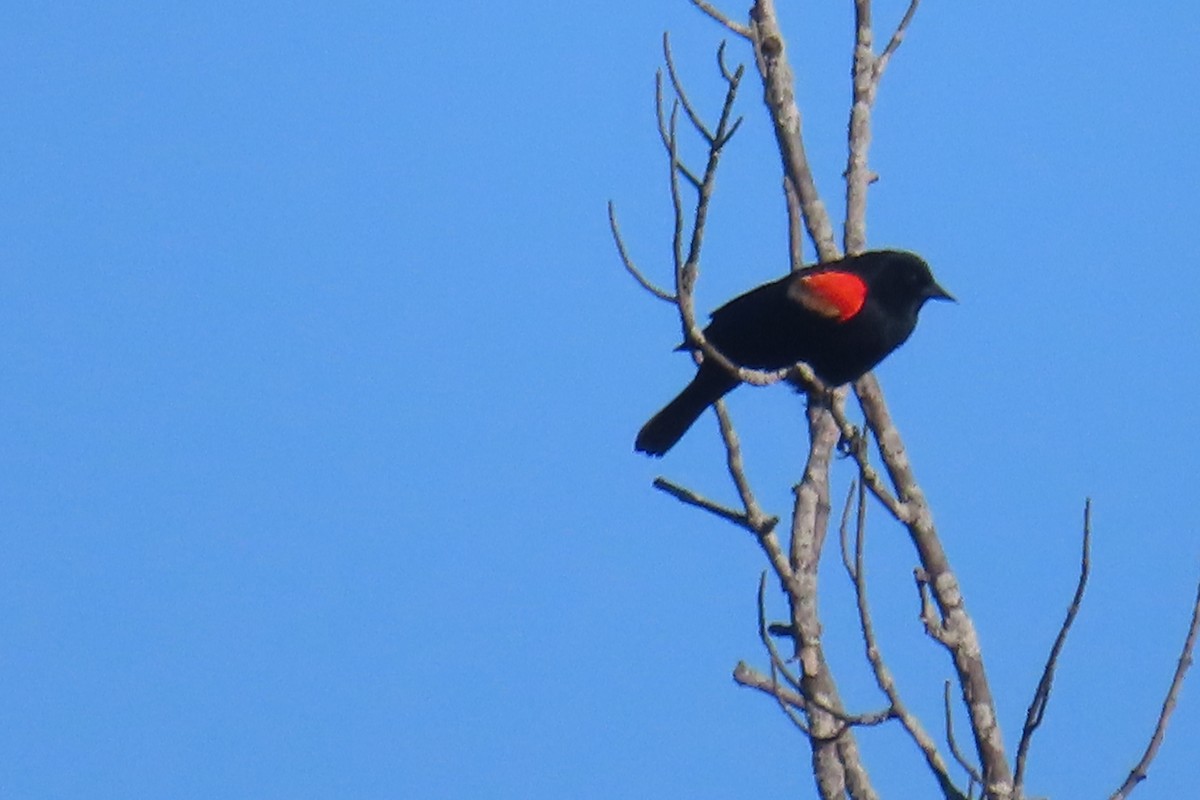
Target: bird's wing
(834, 294)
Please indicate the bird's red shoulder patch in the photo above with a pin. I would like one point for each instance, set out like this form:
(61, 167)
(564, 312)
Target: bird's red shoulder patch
(833, 294)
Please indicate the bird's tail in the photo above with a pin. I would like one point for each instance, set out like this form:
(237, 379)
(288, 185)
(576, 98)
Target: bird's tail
(669, 425)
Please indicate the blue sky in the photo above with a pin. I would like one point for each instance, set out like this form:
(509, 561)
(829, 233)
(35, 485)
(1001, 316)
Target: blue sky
(321, 378)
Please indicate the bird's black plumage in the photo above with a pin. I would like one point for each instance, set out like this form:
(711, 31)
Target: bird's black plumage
(841, 318)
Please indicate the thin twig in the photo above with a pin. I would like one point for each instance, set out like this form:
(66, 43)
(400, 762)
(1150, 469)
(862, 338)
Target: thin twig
(795, 225)
(764, 635)
(883, 676)
(794, 696)
(662, 129)
(777, 663)
(1041, 697)
(762, 525)
(685, 495)
(1139, 772)
(630, 267)
(734, 462)
(736, 27)
(897, 38)
(688, 108)
(746, 675)
(934, 625)
(683, 280)
(725, 72)
(950, 740)
(844, 534)
(718, 141)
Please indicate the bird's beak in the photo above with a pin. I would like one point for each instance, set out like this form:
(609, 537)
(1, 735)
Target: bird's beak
(936, 292)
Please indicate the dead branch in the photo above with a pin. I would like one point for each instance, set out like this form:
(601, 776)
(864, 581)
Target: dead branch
(1139, 772)
(630, 267)
(896, 40)
(956, 630)
(837, 764)
(688, 497)
(788, 700)
(780, 96)
(687, 266)
(795, 218)
(736, 27)
(844, 534)
(764, 526)
(883, 676)
(962, 760)
(867, 73)
(859, 452)
(735, 464)
(778, 663)
(858, 177)
(677, 86)
(1041, 697)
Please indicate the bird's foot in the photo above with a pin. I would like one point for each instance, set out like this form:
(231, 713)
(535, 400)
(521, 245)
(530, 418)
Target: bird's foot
(851, 443)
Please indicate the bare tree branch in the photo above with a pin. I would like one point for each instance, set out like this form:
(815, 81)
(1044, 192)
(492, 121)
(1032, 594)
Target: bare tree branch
(780, 97)
(844, 535)
(762, 525)
(837, 764)
(726, 73)
(736, 27)
(687, 266)
(1041, 697)
(858, 177)
(1139, 772)
(858, 450)
(934, 626)
(747, 676)
(777, 661)
(883, 676)
(895, 41)
(734, 463)
(664, 135)
(810, 690)
(630, 267)
(698, 123)
(950, 740)
(685, 270)
(685, 495)
(957, 628)
(795, 218)
(867, 72)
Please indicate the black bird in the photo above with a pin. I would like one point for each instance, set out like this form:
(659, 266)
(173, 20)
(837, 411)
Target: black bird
(841, 318)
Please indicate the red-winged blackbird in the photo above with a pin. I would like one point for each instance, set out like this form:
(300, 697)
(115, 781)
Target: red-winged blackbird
(841, 318)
